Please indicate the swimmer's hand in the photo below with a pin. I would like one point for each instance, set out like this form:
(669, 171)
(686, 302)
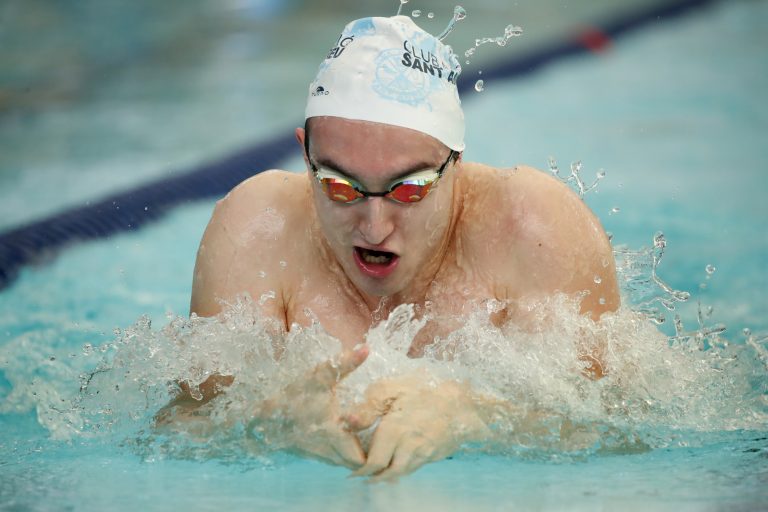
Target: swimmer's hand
(184, 409)
(305, 415)
(419, 422)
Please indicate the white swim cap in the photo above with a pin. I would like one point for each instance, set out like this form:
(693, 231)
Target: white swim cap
(388, 70)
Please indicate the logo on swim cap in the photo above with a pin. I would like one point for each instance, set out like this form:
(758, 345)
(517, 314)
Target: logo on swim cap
(320, 91)
(396, 82)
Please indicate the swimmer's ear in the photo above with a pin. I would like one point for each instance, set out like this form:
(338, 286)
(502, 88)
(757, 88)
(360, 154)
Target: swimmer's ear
(300, 138)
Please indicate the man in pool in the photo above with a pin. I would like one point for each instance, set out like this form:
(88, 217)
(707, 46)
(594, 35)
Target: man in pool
(389, 213)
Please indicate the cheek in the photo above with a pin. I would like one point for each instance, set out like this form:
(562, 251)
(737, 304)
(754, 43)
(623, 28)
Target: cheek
(424, 228)
(335, 220)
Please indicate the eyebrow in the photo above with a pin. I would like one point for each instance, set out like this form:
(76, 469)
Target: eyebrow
(421, 166)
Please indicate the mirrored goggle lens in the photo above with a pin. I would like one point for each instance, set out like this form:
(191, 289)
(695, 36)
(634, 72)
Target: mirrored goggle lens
(410, 192)
(340, 190)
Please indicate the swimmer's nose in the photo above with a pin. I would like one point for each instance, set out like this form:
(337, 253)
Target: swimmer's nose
(376, 222)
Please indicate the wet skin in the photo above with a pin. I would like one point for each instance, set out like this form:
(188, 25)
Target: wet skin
(482, 233)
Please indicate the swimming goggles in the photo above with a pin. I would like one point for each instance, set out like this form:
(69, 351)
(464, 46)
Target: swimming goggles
(409, 189)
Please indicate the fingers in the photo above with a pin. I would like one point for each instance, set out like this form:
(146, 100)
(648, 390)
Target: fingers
(380, 399)
(393, 460)
(334, 446)
(366, 415)
(406, 459)
(331, 372)
(350, 453)
(382, 449)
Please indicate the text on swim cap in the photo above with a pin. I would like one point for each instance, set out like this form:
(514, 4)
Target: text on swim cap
(426, 62)
(339, 47)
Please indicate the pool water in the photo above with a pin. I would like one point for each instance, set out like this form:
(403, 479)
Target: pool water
(674, 115)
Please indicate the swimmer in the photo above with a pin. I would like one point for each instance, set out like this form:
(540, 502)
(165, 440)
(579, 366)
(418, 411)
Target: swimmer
(390, 213)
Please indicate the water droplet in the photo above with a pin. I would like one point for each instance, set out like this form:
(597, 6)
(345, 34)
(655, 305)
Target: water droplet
(598, 279)
(479, 86)
(87, 348)
(480, 72)
(430, 15)
(416, 13)
(146, 208)
(600, 174)
(615, 209)
(513, 31)
(458, 14)
(262, 274)
(602, 300)
(552, 164)
(710, 269)
(283, 264)
(265, 297)
(746, 331)
(609, 235)
(53, 358)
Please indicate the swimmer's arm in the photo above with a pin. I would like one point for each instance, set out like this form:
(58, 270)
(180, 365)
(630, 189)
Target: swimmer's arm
(226, 267)
(236, 256)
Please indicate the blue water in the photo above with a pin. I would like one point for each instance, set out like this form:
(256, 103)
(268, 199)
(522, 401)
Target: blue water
(673, 113)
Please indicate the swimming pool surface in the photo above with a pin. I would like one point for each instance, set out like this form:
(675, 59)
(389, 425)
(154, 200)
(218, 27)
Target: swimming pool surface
(675, 115)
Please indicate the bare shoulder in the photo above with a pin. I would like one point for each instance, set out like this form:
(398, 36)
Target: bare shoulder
(269, 192)
(246, 239)
(537, 234)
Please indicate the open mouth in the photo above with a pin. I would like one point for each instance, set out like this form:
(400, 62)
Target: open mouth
(375, 263)
(375, 257)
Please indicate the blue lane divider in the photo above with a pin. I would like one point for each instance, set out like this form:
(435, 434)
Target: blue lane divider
(128, 211)
(133, 209)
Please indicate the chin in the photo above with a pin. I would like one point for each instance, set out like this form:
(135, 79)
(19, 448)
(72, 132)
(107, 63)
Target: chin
(377, 289)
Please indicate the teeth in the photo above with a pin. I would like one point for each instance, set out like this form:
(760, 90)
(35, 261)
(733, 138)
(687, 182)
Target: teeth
(379, 259)
(369, 258)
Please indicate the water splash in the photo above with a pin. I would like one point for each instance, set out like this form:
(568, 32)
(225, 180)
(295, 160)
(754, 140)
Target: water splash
(459, 13)
(509, 32)
(574, 180)
(645, 289)
(400, 7)
(654, 382)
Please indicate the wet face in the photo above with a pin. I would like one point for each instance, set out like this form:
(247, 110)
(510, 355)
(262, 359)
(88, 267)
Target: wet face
(384, 247)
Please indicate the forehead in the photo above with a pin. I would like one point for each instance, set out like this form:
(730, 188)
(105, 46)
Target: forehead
(372, 148)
